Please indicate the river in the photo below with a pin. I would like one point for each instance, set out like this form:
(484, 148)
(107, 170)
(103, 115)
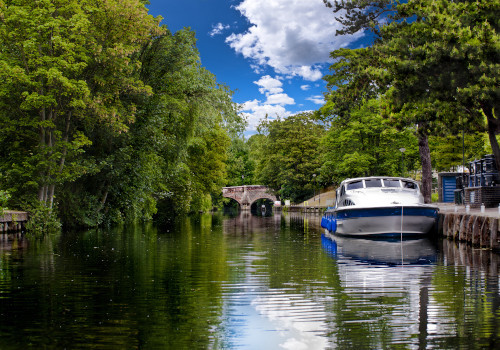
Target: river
(244, 282)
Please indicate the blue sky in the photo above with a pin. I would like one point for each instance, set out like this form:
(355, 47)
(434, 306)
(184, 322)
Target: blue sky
(271, 53)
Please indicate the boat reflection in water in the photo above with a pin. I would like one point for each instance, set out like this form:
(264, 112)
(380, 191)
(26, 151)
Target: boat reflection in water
(380, 251)
(386, 287)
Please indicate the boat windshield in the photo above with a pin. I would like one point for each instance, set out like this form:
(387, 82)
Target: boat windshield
(355, 185)
(373, 183)
(391, 183)
(409, 184)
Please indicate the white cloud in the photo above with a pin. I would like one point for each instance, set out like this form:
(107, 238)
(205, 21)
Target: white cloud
(305, 87)
(273, 107)
(255, 111)
(318, 99)
(269, 85)
(294, 37)
(218, 29)
(280, 99)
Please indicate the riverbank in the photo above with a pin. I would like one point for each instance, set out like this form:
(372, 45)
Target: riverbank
(474, 226)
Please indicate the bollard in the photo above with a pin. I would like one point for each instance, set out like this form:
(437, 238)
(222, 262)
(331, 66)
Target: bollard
(467, 208)
(482, 208)
(456, 209)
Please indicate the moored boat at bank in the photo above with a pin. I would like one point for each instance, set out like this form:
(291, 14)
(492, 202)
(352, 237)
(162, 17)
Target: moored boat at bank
(380, 206)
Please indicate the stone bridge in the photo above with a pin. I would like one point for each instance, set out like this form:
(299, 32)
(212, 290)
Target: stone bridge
(246, 195)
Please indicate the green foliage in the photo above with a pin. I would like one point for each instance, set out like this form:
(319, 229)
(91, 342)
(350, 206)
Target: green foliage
(446, 151)
(42, 220)
(356, 15)
(4, 198)
(109, 111)
(367, 145)
(240, 165)
(435, 197)
(434, 62)
(65, 63)
(289, 155)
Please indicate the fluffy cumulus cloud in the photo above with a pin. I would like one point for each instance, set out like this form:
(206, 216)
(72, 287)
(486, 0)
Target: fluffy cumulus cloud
(272, 88)
(272, 107)
(294, 37)
(255, 111)
(269, 85)
(273, 104)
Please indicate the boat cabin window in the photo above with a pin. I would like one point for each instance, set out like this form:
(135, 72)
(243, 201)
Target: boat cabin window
(409, 184)
(355, 185)
(373, 183)
(391, 183)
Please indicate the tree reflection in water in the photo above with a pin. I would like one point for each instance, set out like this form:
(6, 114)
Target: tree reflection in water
(214, 281)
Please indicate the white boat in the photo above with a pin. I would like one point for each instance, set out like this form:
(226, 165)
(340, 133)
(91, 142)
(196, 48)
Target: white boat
(380, 206)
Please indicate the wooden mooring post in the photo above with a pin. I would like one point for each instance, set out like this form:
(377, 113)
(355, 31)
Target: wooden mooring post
(12, 221)
(476, 227)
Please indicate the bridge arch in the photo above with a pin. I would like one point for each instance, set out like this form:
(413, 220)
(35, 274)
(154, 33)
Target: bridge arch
(247, 194)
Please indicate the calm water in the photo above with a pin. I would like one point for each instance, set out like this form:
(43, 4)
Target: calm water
(215, 282)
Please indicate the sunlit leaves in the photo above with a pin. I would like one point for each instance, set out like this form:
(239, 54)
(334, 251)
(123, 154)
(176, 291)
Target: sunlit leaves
(288, 156)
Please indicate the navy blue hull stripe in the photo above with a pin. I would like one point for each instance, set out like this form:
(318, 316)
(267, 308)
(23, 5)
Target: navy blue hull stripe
(390, 211)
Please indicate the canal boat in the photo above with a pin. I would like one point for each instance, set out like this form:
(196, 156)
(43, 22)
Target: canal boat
(380, 206)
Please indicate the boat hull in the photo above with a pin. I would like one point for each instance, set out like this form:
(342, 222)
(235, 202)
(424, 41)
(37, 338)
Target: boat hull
(386, 221)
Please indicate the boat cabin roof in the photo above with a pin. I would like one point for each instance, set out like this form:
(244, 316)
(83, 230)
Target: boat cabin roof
(378, 182)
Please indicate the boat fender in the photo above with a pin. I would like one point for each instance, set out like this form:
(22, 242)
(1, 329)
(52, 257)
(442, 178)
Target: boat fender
(324, 222)
(333, 225)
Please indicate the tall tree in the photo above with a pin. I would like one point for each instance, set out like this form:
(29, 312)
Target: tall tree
(172, 159)
(366, 145)
(290, 155)
(356, 15)
(64, 63)
(439, 72)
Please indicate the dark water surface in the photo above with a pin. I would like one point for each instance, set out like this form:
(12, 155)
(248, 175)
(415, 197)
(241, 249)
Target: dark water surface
(215, 282)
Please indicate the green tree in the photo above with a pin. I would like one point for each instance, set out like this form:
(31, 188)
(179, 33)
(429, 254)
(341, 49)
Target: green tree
(172, 158)
(428, 67)
(64, 64)
(290, 155)
(240, 164)
(429, 55)
(356, 15)
(110, 111)
(367, 145)
(450, 151)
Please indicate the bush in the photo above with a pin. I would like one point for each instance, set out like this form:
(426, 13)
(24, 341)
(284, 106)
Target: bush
(434, 197)
(4, 197)
(42, 220)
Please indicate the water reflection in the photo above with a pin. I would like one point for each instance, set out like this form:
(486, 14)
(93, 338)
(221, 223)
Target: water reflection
(380, 251)
(384, 288)
(244, 282)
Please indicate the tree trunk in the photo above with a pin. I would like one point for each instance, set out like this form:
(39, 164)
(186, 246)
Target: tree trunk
(425, 160)
(42, 190)
(50, 195)
(493, 129)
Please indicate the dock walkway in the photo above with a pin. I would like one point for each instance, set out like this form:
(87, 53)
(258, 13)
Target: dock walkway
(12, 220)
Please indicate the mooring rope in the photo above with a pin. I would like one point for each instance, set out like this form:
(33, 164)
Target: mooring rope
(401, 235)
